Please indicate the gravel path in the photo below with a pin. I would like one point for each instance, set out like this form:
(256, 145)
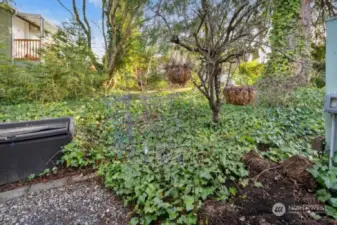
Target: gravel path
(81, 203)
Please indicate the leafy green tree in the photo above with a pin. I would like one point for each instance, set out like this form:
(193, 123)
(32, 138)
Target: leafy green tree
(249, 72)
(285, 16)
(120, 23)
(122, 19)
(297, 26)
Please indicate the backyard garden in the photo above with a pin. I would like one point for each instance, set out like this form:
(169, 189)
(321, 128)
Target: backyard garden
(190, 160)
(213, 126)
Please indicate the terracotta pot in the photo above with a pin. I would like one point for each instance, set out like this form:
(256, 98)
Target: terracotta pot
(240, 95)
(178, 74)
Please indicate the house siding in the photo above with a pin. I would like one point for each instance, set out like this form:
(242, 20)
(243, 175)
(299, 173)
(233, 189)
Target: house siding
(5, 32)
(23, 30)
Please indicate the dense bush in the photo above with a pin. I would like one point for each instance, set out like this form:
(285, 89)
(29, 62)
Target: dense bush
(249, 72)
(157, 81)
(275, 90)
(65, 72)
(54, 81)
(318, 55)
(16, 83)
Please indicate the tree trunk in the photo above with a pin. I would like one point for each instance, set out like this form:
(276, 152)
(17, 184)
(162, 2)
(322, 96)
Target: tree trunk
(111, 80)
(305, 30)
(112, 69)
(216, 114)
(215, 91)
(112, 59)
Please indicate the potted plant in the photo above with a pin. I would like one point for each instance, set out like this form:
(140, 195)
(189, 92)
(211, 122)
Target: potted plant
(178, 73)
(240, 95)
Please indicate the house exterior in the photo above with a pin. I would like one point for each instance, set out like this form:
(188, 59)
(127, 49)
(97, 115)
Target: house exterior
(22, 35)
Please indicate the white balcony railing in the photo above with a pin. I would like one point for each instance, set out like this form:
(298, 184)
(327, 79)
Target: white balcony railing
(27, 49)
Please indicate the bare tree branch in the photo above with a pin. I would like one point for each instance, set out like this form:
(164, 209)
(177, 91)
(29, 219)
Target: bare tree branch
(230, 27)
(231, 56)
(59, 1)
(84, 11)
(175, 39)
(103, 28)
(86, 30)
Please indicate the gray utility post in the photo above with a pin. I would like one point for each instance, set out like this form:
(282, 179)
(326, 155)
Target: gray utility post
(331, 85)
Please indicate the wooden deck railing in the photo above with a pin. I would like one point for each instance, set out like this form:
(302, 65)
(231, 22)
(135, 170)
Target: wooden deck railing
(27, 49)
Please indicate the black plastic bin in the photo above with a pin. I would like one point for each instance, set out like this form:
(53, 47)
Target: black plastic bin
(32, 146)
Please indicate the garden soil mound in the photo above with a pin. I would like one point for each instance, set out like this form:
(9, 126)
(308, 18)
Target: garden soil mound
(285, 183)
(295, 168)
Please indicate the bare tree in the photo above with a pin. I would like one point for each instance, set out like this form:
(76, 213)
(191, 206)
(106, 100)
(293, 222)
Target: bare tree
(223, 32)
(81, 20)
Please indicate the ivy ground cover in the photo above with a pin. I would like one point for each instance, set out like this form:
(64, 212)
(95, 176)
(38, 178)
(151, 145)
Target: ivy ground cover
(197, 159)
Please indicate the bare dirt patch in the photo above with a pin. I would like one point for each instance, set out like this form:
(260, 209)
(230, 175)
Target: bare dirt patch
(215, 212)
(295, 168)
(288, 183)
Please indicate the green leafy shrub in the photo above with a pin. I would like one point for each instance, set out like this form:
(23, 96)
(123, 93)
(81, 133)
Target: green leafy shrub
(318, 81)
(327, 179)
(157, 81)
(249, 72)
(63, 74)
(169, 192)
(318, 55)
(66, 72)
(276, 91)
(16, 83)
